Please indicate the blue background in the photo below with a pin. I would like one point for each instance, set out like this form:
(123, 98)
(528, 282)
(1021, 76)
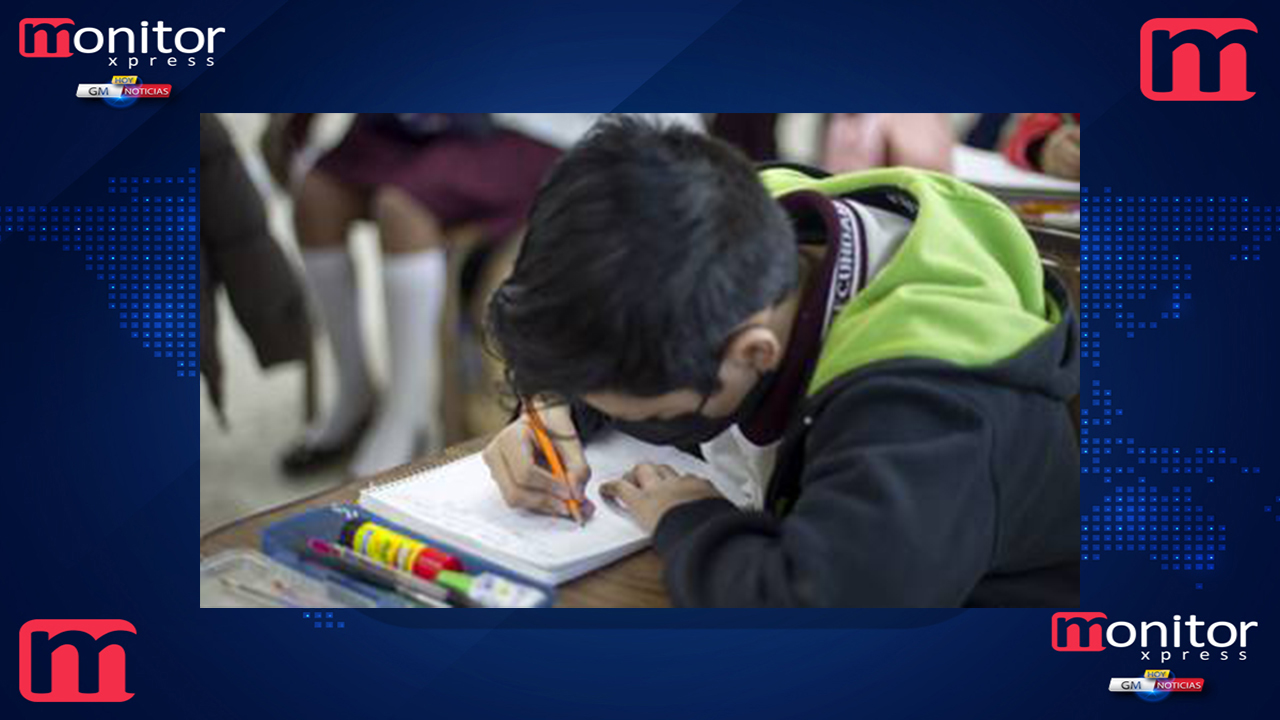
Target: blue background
(100, 440)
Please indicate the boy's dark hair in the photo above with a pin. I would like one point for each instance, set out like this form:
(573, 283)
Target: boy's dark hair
(646, 246)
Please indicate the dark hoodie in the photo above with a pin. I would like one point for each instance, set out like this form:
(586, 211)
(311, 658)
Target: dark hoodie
(907, 482)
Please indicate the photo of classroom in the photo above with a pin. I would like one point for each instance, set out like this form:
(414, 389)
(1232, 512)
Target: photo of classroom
(642, 360)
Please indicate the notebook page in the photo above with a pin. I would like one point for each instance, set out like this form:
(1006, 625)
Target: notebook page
(462, 501)
(993, 170)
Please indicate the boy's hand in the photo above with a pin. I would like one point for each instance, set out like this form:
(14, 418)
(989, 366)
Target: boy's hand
(1060, 155)
(649, 491)
(516, 464)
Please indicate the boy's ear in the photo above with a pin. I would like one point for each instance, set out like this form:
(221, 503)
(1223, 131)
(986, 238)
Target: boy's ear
(757, 347)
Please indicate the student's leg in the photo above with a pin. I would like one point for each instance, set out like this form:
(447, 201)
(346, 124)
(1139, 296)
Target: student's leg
(323, 212)
(414, 280)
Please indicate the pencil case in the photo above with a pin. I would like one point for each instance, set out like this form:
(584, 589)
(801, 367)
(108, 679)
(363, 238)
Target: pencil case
(285, 540)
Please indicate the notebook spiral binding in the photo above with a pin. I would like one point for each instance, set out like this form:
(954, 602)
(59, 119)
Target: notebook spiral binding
(399, 475)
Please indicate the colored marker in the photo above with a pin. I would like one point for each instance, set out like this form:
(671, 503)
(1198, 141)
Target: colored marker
(489, 590)
(378, 575)
(394, 549)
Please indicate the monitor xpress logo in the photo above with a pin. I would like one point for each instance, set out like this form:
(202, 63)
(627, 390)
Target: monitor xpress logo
(1077, 632)
(74, 660)
(1197, 58)
(1084, 632)
(125, 47)
(45, 37)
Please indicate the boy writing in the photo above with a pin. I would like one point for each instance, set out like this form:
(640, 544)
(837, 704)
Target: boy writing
(878, 359)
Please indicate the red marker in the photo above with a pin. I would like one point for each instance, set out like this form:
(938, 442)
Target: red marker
(378, 575)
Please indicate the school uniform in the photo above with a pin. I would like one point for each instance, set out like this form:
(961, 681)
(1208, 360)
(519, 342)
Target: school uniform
(915, 449)
(463, 167)
(466, 168)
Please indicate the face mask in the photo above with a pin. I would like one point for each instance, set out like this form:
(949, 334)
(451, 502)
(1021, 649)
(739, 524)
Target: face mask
(694, 428)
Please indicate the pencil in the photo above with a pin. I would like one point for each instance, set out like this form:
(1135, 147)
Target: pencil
(553, 459)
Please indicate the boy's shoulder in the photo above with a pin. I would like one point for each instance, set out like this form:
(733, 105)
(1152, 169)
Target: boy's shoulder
(1046, 367)
(781, 178)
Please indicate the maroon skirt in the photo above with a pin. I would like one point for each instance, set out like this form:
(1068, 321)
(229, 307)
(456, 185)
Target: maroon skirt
(487, 180)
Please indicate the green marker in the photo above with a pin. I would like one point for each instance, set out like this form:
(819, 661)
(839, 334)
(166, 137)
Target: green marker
(489, 590)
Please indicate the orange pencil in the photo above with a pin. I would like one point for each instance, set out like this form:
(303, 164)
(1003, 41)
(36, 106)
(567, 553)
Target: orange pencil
(553, 459)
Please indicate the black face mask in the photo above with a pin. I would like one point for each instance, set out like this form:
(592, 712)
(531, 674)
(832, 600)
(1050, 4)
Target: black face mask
(694, 428)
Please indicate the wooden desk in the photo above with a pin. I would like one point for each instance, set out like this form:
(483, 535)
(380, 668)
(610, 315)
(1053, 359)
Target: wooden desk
(635, 581)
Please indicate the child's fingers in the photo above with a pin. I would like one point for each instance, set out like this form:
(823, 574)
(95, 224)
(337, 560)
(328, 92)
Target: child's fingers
(499, 461)
(646, 474)
(666, 472)
(526, 498)
(521, 482)
(569, 453)
(620, 491)
(535, 468)
(552, 504)
(541, 480)
(547, 504)
(537, 479)
(564, 436)
(575, 466)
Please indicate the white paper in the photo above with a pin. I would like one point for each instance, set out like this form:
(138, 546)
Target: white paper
(983, 167)
(460, 504)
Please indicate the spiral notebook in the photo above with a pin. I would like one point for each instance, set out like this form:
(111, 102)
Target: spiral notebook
(459, 504)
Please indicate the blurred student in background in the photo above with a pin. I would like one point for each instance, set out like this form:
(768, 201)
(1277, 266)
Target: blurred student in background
(850, 142)
(1047, 142)
(238, 254)
(860, 141)
(417, 176)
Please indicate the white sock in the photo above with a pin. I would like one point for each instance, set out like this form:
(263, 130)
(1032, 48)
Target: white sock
(332, 280)
(415, 287)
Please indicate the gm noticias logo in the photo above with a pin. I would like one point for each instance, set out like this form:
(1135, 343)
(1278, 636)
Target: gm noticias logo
(1155, 685)
(123, 91)
(74, 660)
(1196, 58)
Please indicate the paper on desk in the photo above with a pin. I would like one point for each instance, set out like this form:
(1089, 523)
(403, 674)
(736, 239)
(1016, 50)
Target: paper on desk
(460, 504)
(990, 169)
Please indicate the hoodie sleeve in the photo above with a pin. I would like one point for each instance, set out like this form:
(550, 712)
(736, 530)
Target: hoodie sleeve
(896, 509)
